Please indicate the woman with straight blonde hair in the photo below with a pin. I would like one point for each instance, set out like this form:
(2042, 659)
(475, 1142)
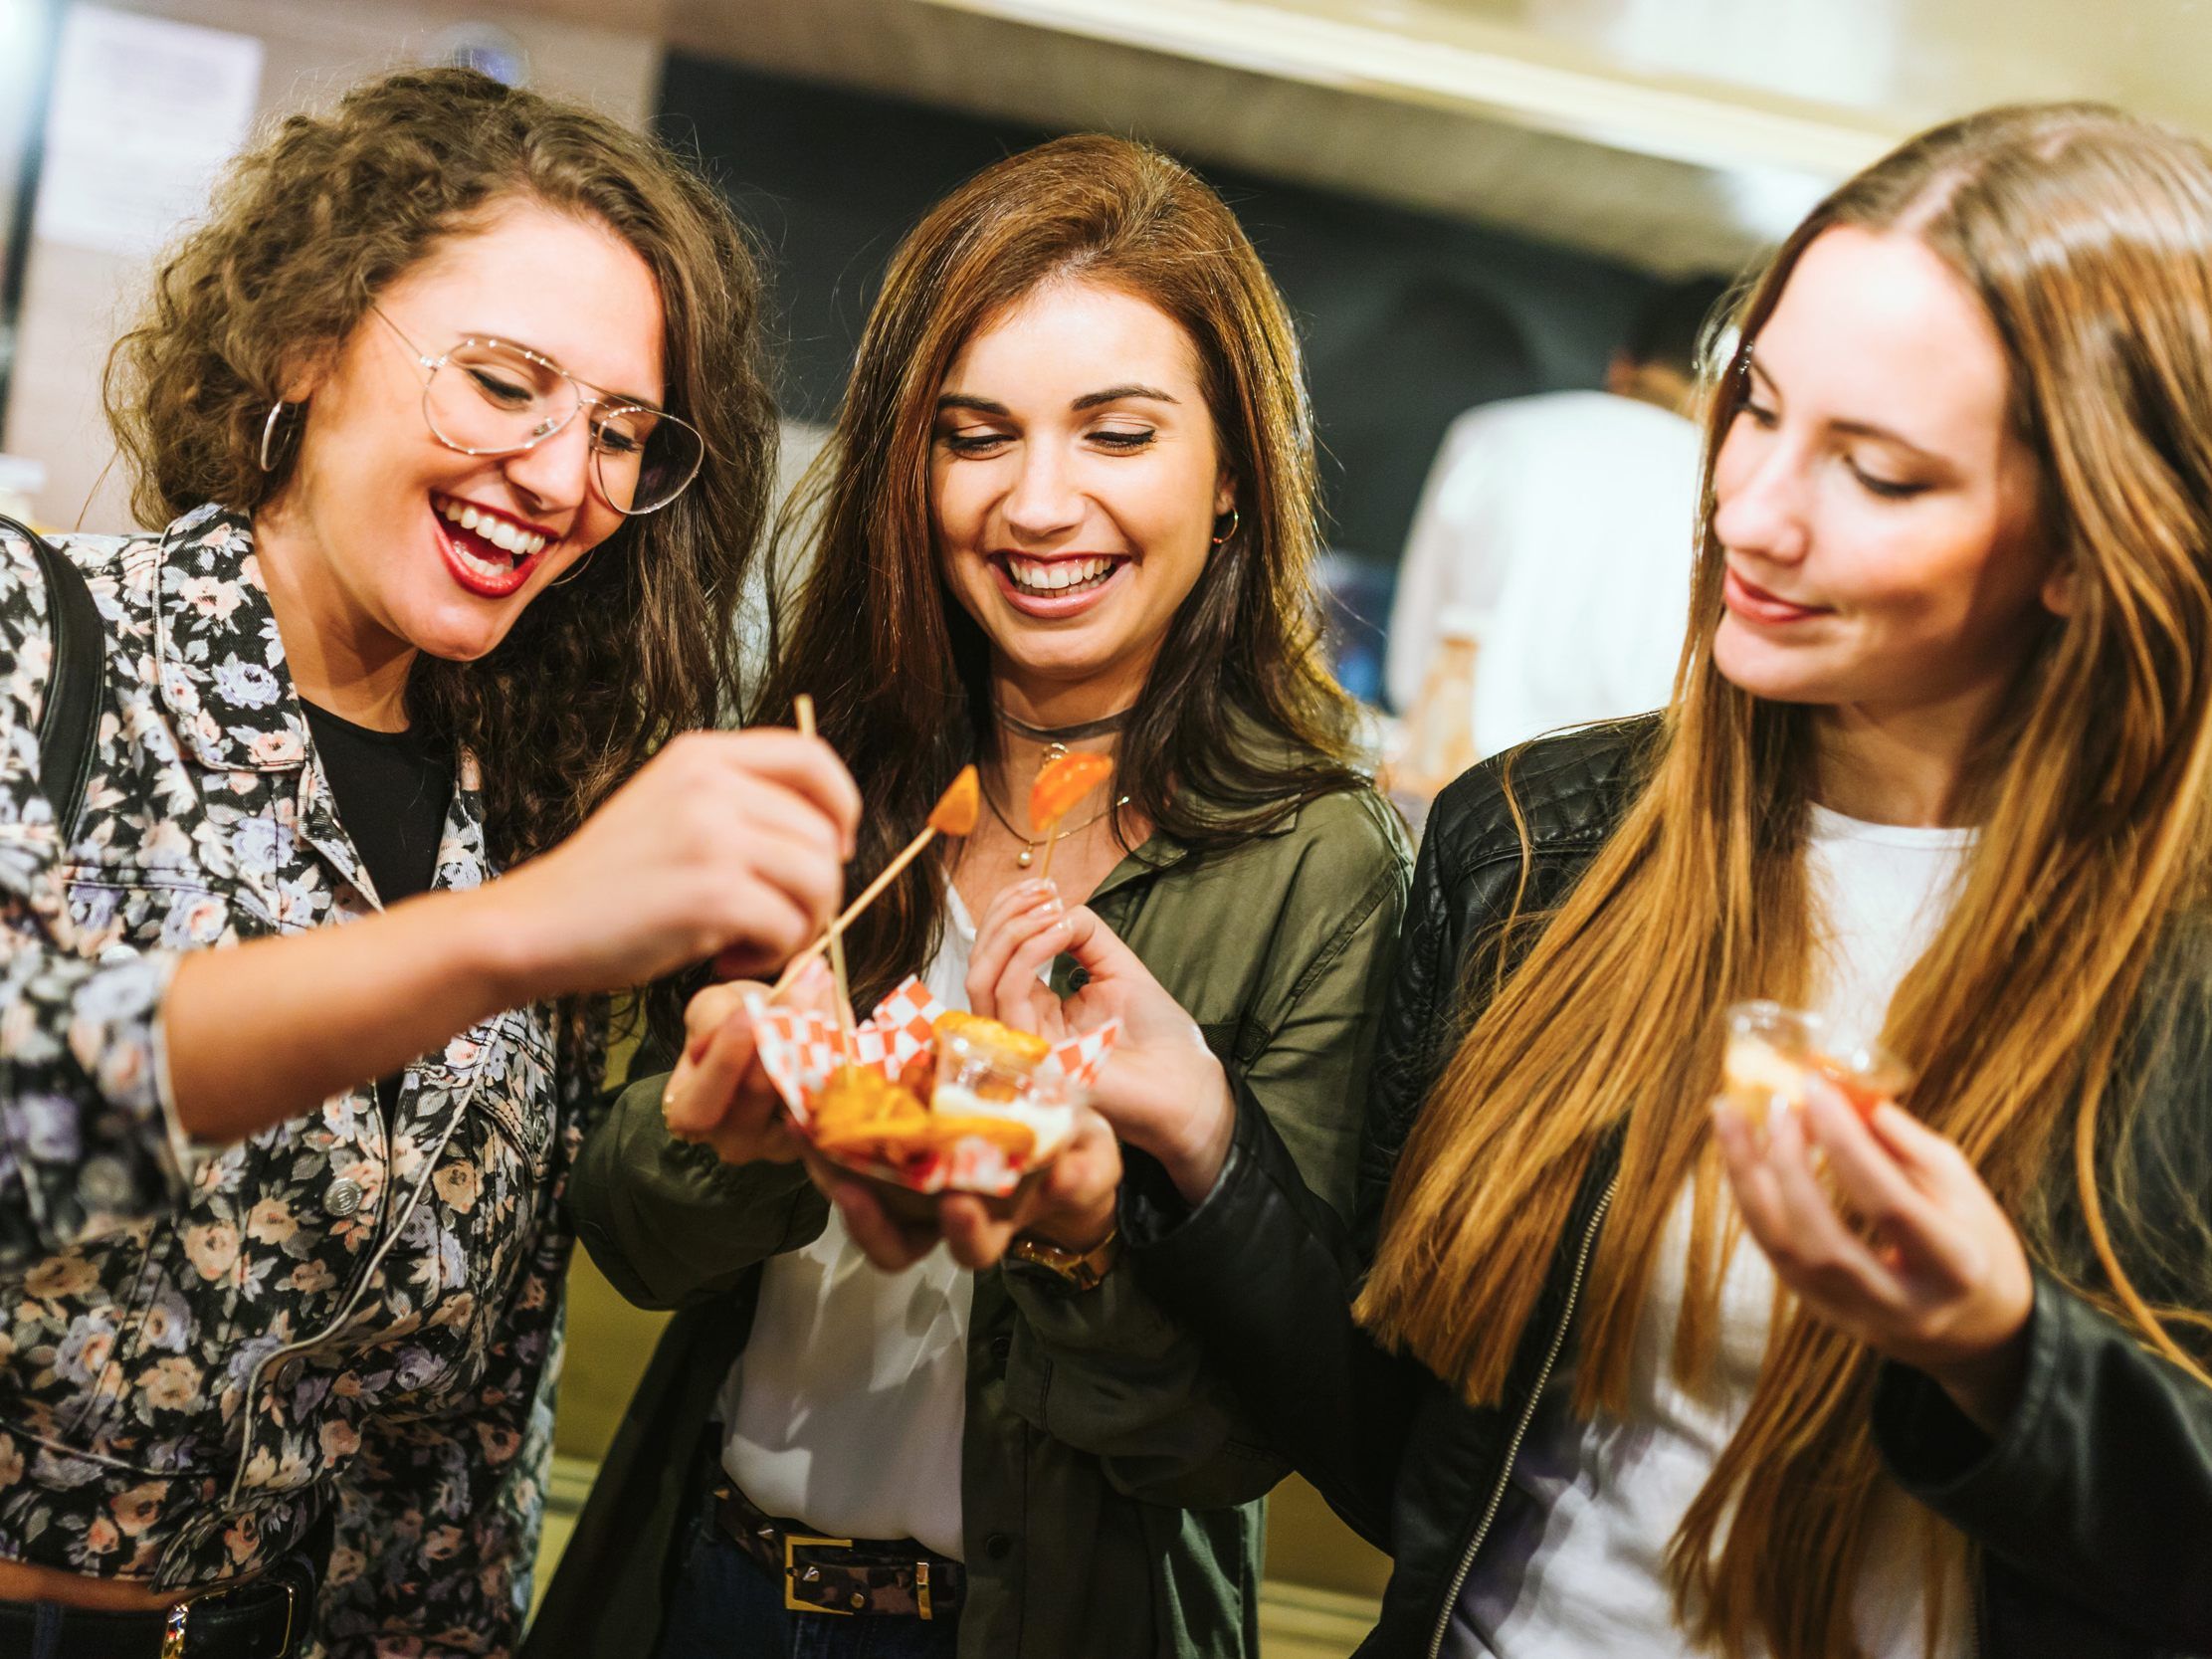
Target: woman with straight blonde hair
(1936, 768)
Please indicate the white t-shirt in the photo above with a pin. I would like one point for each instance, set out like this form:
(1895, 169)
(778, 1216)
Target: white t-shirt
(1565, 524)
(1577, 1564)
(848, 1406)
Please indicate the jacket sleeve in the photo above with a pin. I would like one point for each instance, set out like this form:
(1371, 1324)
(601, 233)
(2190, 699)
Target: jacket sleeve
(1111, 1372)
(1115, 1372)
(89, 1141)
(2099, 1488)
(668, 1223)
(1264, 1270)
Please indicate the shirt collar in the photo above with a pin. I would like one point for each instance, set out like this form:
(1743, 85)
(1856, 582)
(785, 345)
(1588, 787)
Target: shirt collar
(222, 662)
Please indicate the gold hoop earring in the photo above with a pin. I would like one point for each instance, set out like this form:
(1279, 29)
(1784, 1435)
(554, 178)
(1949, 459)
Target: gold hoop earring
(268, 434)
(563, 581)
(1236, 518)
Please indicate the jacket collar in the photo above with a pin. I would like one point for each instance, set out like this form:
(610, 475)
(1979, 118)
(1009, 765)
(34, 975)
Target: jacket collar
(221, 660)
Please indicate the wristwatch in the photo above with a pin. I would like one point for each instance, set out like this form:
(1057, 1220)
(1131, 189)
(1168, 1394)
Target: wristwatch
(1077, 1270)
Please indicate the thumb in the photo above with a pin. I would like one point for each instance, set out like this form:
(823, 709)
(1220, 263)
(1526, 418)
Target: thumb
(1098, 949)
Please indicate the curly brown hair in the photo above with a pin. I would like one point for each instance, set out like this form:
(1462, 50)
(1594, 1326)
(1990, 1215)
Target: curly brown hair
(304, 232)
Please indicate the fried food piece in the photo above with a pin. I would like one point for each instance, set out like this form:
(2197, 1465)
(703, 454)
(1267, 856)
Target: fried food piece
(861, 1113)
(1063, 783)
(1020, 1050)
(956, 809)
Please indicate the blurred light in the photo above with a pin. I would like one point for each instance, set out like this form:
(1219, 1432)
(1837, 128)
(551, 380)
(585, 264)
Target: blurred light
(1769, 202)
(1849, 54)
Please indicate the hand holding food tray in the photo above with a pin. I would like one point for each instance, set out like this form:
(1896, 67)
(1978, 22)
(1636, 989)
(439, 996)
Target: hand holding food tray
(927, 1100)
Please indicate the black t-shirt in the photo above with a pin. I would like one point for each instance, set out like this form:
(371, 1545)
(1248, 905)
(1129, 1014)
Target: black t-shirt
(392, 789)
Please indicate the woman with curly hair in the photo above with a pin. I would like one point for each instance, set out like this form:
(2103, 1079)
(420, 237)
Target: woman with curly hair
(454, 413)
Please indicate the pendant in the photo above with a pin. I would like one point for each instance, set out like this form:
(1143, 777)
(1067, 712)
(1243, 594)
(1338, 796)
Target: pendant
(1022, 857)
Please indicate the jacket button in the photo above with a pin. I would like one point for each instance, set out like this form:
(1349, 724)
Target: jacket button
(1001, 1348)
(998, 1546)
(341, 1198)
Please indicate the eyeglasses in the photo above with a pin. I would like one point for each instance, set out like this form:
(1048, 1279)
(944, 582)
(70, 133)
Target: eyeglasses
(493, 397)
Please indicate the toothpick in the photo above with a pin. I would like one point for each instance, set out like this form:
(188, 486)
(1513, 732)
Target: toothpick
(803, 704)
(955, 814)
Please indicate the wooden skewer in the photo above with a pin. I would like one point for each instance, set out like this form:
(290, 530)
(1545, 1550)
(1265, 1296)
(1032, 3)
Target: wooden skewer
(803, 705)
(955, 814)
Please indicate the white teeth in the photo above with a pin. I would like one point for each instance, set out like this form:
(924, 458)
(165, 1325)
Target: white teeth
(509, 539)
(1056, 575)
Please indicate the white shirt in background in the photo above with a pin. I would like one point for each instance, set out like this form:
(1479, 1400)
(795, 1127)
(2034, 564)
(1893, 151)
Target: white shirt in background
(1578, 1564)
(1566, 523)
(848, 1407)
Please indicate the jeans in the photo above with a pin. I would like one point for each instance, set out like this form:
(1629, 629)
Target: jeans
(726, 1605)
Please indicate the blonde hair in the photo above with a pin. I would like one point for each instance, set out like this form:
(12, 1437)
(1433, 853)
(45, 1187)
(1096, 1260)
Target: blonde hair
(2087, 235)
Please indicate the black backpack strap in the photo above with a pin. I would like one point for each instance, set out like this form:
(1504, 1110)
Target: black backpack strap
(70, 722)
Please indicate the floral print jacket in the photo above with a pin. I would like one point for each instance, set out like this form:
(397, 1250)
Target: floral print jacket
(202, 1357)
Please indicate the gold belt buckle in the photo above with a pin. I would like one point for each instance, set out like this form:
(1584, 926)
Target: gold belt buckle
(922, 1589)
(791, 1541)
(180, 1616)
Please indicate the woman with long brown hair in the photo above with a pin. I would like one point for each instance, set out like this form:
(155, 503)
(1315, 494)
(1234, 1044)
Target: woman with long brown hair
(1936, 768)
(1069, 506)
(451, 408)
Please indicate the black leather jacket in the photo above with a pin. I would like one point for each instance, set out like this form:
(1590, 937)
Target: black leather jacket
(2094, 1509)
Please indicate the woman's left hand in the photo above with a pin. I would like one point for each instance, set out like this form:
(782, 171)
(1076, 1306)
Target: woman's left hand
(1070, 1204)
(1930, 1273)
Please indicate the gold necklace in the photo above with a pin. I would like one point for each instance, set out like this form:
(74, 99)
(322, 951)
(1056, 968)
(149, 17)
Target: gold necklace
(1028, 854)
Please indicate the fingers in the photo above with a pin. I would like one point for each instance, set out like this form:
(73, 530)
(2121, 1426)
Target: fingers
(1872, 1182)
(1793, 1221)
(1012, 918)
(807, 767)
(707, 1012)
(892, 1244)
(976, 1237)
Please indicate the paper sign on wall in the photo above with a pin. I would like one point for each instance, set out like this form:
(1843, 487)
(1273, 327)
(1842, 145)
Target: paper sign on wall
(144, 114)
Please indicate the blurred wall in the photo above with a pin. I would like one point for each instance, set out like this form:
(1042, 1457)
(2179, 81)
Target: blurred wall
(77, 300)
(1407, 318)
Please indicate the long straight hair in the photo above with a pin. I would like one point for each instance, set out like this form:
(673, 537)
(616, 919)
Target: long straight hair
(1239, 720)
(2087, 236)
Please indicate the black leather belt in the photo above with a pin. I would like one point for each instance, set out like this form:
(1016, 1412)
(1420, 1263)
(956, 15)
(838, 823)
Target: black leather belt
(267, 1617)
(841, 1575)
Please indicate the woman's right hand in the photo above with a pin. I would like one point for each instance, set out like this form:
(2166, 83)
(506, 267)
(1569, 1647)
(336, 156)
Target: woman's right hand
(1162, 1089)
(719, 1094)
(726, 844)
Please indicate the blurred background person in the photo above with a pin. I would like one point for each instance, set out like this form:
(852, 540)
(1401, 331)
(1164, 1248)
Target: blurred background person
(1546, 579)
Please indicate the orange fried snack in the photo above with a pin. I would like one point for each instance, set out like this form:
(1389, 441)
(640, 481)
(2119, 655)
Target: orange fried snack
(958, 808)
(1063, 783)
(864, 1114)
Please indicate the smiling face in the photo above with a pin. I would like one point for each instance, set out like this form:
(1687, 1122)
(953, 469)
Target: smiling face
(1074, 484)
(1874, 501)
(395, 542)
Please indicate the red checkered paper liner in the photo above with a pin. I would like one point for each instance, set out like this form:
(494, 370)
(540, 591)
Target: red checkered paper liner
(801, 1050)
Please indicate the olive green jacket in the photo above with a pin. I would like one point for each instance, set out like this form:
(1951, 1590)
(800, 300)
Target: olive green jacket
(1109, 1493)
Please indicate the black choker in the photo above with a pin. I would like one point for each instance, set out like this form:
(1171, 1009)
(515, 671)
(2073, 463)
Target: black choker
(1064, 734)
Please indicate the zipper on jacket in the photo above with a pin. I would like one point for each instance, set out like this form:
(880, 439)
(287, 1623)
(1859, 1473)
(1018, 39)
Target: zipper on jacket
(1527, 1415)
